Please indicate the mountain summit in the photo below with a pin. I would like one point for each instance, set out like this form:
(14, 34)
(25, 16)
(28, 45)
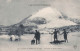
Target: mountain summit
(50, 17)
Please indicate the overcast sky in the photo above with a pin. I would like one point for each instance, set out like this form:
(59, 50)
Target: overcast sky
(13, 11)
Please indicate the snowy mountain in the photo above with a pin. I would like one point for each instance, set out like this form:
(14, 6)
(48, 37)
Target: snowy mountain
(53, 18)
(48, 18)
(13, 11)
(45, 18)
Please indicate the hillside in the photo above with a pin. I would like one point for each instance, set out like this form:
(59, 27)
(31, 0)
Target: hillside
(49, 18)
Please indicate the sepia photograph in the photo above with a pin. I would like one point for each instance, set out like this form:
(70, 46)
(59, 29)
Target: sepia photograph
(39, 25)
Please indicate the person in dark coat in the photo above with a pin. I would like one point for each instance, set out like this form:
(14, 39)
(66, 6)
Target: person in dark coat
(37, 37)
(65, 35)
(55, 35)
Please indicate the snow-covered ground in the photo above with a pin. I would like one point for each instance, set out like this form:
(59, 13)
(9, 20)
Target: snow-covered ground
(25, 43)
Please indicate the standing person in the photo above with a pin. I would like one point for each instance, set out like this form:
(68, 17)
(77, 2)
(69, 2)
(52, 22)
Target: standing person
(37, 37)
(55, 35)
(65, 35)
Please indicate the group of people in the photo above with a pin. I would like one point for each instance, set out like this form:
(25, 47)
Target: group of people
(37, 35)
(64, 34)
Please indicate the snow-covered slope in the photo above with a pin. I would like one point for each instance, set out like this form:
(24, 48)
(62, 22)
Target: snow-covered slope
(47, 13)
(53, 17)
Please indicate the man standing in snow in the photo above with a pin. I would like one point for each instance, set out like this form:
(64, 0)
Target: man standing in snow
(55, 35)
(37, 37)
(65, 35)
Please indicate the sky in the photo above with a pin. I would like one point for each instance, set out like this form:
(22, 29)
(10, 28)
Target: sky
(13, 11)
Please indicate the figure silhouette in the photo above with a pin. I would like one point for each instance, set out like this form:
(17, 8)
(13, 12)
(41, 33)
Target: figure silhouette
(65, 35)
(37, 37)
(55, 35)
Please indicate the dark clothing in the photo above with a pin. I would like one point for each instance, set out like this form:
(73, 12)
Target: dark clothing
(37, 41)
(65, 36)
(37, 37)
(55, 35)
